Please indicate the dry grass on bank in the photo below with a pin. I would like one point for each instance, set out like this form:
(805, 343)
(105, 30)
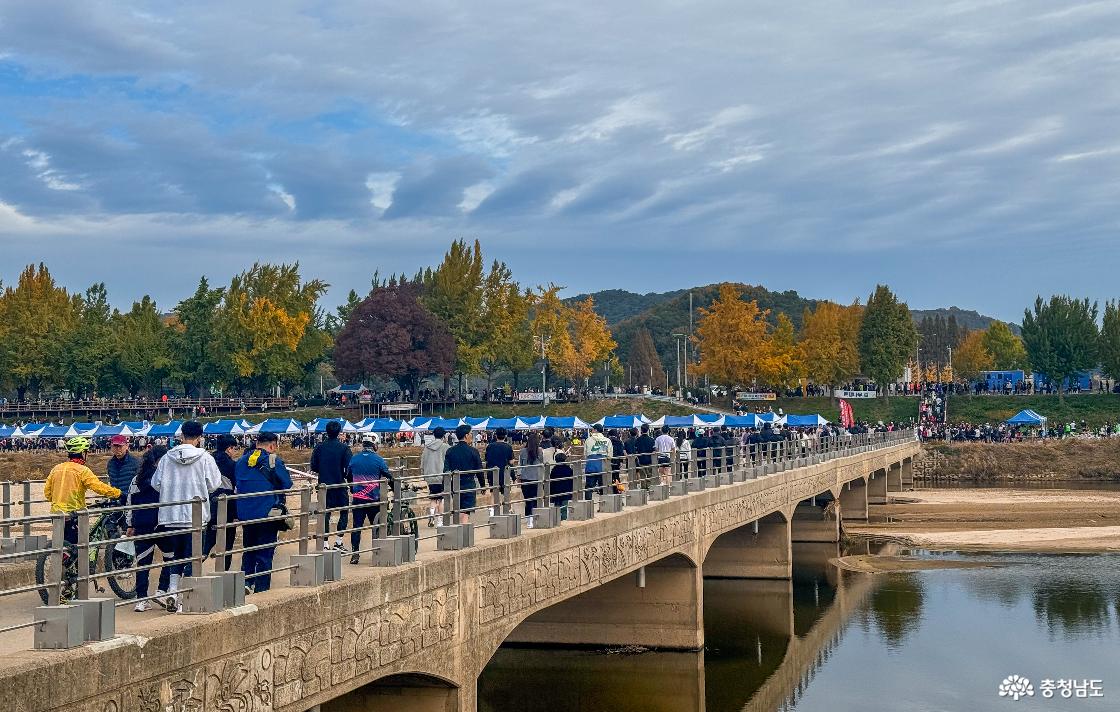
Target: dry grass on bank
(1069, 459)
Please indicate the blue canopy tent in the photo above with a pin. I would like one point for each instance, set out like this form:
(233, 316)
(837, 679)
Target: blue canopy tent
(52, 431)
(386, 425)
(77, 429)
(138, 427)
(771, 418)
(110, 430)
(31, 430)
(740, 421)
(565, 422)
(623, 421)
(1026, 417)
(319, 425)
(531, 423)
(169, 429)
(805, 421)
(495, 423)
(280, 426)
(7, 431)
(447, 424)
(476, 423)
(224, 427)
(689, 421)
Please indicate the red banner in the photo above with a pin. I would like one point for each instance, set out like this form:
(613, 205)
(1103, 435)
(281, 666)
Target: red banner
(847, 417)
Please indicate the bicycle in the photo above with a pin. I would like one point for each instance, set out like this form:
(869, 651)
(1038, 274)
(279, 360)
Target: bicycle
(103, 527)
(409, 494)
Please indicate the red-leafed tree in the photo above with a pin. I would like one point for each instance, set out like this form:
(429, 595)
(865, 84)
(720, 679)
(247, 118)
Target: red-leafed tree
(391, 335)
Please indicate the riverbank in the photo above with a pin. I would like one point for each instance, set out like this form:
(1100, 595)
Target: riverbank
(1049, 521)
(1067, 459)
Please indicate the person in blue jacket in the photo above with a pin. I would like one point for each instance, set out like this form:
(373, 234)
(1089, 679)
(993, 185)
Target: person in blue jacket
(260, 469)
(366, 471)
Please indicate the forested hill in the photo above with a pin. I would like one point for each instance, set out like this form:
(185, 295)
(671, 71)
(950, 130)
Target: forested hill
(666, 313)
(966, 318)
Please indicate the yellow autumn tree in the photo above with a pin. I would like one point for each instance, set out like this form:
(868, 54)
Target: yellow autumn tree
(830, 343)
(733, 340)
(550, 322)
(576, 337)
(591, 339)
(784, 367)
(972, 356)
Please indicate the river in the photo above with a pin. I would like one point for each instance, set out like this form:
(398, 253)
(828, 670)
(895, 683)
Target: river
(927, 641)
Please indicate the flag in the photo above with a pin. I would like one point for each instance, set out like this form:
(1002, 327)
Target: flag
(847, 418)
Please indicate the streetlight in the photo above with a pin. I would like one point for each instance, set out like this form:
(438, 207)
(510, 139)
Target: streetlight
(680, 391)
(544, 367)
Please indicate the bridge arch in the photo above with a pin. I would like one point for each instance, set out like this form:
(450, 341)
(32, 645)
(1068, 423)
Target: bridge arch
(401, 692)
(757, 549)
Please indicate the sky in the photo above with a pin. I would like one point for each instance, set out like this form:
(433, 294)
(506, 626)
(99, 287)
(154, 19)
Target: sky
(964, 152)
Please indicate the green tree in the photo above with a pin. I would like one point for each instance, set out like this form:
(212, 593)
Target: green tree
(192, 338)
(498, 321)
(1061, 338)
(1007, 350)
(142, 348)
(887, 337)
(36, 315)
(1110, 341)
(86, 357)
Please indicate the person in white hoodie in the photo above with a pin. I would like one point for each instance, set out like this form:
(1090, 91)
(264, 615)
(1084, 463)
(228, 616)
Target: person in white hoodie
(431, 467)
(186, 472)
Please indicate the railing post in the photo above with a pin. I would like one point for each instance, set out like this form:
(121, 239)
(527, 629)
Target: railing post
(379, 527)
(398, 491)
(197, 555)
(6, 488)
(83, 555)
(324, 516)
(27, 510)
(449, 501)
(58, 543)
(220, 534)
(304, 519)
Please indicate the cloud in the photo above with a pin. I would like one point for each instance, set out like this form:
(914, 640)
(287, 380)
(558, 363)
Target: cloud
(869, 132)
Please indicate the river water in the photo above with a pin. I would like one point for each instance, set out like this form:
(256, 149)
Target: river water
(928, 641)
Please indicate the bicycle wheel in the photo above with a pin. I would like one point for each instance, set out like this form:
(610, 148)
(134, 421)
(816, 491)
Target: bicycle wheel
(123, 584)
(45, 574)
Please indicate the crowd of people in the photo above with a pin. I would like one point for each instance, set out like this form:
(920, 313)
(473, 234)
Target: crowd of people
(1006, 433)
(167, 476)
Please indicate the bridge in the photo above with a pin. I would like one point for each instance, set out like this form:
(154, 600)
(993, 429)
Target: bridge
(417, 636)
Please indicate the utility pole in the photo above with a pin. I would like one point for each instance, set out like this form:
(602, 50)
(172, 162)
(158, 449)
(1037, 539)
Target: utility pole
(680, 388)
(544, 368)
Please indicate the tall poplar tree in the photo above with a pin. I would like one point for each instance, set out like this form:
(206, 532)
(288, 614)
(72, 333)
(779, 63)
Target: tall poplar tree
(887, 337)
(644, 365)
(1110, 341)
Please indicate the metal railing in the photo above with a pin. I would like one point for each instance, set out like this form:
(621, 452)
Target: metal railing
(539, 494)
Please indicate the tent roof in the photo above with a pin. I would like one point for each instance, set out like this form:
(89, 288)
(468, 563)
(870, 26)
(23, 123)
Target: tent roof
(1026, 417)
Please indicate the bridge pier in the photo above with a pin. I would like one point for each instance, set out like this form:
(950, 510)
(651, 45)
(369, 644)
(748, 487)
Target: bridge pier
(853, 500)
(894, 477)
(761, 549)
(812, 522)
(659, 606)
(877, 487)
(908, 474)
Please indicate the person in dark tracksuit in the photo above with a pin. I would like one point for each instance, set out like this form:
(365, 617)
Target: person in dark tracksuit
(330, 460)
(367, 469)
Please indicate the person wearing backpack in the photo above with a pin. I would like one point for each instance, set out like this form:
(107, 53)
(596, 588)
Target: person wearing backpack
(596, 449)
(260, 469)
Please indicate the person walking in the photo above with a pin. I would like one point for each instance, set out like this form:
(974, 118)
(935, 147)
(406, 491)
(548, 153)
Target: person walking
(142, 522)
(596, 449)
(365, 471)
(560, 483)
(499, 456)
(122, 466)
(664, 445)
(432, 456)
(530, 463)
(223, 457)
(185, 473)
(645, 448)
(463, 459)
(330, 460)
(260, 469)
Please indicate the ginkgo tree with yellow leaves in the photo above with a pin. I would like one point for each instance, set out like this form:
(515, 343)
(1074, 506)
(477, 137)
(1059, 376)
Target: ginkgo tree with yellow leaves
(734, 340)
(576, 339)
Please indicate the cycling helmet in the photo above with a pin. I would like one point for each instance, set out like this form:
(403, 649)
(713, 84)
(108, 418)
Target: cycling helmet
(78, 445)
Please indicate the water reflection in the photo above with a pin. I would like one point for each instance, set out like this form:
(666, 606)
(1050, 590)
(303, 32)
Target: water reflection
(939, 640)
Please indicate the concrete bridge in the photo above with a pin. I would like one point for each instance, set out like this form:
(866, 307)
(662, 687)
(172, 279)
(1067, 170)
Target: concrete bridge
(417, 636)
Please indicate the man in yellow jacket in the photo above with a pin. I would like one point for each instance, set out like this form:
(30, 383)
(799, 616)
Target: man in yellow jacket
(68, 481)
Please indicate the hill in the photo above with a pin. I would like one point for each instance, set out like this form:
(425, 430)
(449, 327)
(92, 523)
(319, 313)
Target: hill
(617, 305)
(968, 318)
